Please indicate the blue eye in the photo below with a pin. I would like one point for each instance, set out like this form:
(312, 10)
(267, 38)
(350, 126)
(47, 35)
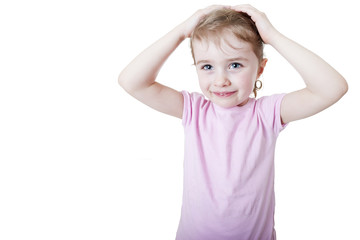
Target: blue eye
(207, 67)
(235, 65)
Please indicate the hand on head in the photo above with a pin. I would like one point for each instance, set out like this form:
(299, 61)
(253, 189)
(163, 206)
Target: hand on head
(265, 28)
(190, 24)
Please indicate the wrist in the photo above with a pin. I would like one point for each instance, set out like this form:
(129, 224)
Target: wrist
(273, 38)
(182, 31)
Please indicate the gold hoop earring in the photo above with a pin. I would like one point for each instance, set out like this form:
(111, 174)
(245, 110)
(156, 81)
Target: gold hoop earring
(258, 85)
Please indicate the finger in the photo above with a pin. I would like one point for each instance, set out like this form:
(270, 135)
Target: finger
(249, 10)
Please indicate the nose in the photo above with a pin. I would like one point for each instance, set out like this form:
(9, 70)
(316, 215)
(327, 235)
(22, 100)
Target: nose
(222, 80)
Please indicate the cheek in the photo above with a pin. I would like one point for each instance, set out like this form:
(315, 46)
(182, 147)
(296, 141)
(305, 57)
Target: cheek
(244, 80)
(251, 77)
(251, 83)
(204, 80)
(202, 83)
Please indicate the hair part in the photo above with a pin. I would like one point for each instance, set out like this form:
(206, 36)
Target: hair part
(214, 24)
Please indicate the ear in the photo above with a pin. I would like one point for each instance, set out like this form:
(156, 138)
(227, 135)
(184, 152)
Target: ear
(261, 67)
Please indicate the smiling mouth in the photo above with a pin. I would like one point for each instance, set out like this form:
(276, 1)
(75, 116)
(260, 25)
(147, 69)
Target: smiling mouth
(223, 94)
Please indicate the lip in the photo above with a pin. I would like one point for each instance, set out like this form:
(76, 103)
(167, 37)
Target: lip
(224, 94)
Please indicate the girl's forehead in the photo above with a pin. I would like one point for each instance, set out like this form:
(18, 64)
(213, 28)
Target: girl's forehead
(224, 45)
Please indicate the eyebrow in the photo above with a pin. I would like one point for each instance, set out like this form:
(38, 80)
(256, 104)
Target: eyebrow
(241, 59)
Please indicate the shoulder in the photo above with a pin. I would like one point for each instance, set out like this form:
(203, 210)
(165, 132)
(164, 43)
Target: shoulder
(268, 101)
(194, 99)
(268, 108)
(194, 104)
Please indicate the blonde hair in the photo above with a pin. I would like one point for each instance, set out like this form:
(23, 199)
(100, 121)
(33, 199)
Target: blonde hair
(214, 24)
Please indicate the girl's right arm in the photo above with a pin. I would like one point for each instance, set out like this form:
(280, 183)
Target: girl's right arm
(138, 78)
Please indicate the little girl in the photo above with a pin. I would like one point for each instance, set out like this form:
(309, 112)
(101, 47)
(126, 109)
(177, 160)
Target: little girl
(230, 137)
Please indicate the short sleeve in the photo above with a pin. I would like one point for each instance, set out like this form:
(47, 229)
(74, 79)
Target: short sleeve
(194, 104)
(269, 108)
(186, 116)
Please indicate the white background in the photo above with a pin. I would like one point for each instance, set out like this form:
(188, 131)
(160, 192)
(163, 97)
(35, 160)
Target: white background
(81, 159)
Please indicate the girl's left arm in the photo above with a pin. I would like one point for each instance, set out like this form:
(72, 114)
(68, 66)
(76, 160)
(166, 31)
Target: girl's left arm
(324, 85)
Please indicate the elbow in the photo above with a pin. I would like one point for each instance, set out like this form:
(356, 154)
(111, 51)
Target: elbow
(122, 81)
(334, 93)
(341, 89)
(127, 83)
(344, 88)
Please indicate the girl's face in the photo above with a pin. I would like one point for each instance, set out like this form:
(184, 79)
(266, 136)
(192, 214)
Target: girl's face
(227, 73)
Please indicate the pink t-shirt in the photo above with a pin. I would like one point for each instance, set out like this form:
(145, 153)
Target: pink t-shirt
(228, 189)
